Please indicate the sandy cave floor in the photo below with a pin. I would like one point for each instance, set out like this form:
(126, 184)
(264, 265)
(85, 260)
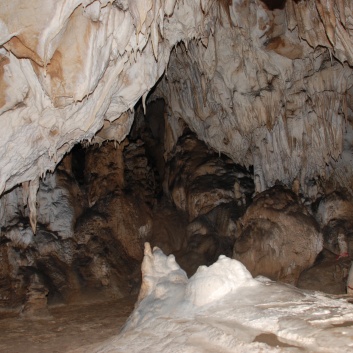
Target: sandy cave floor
(68, 328)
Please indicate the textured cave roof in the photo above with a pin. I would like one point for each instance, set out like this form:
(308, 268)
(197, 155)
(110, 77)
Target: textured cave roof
(266, 82)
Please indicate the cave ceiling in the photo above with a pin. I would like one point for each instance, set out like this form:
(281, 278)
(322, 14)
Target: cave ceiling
(267, 83)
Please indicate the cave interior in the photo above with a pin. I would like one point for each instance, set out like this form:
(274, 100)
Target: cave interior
(231, 136)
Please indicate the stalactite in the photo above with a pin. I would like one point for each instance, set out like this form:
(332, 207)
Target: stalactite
(231, 83)
(30, 190)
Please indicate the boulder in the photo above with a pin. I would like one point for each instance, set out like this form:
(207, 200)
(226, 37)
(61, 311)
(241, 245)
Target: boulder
(277, 236)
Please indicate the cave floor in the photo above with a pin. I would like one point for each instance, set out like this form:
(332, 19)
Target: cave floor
(67, 327)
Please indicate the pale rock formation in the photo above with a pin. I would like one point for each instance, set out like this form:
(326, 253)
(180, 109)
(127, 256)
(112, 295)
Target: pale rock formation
(77, 64)
(265, 85)
(155, 266)
(277, 236)
(258, 94)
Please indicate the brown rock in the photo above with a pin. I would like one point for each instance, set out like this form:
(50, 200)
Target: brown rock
(334, 215)
(36, 298)
(328, 274)
(278, 238)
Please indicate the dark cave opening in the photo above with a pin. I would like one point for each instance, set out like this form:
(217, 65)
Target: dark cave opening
(275, 4)
(78, 163)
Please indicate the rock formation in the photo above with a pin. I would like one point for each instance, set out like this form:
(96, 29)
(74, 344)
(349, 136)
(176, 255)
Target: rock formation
(220, 100)
(223, 309)
(331, 270)
(267, 85)
(334, 214)
(277, 238)
(202, 183)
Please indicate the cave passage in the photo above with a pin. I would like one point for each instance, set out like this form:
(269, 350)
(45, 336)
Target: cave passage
(214, 131)
(105, 200)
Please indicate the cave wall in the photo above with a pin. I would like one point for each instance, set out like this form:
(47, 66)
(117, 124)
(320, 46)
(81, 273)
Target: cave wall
(264, 84)
(78, 65)
(104, 201)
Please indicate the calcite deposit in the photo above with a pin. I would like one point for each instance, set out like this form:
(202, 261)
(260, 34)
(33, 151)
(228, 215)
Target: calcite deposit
(267, 83)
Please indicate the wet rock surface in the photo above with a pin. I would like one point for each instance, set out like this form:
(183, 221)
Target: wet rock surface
(65, 328)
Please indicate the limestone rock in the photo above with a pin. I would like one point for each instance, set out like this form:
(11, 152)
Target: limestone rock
(210, 235)
(36, 299)
(139, 172)
(328, 274)
(104, 170)
(268, 88)
(199, 179)
(265, 85)
(213, 192)
(334, 215)
(278, 238)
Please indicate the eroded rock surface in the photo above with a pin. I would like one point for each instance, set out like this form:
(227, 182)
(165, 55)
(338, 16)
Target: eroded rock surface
(335, 217)
(329, 274)
(78, 252)
(278, 238)
(213, 192)
(331, 270)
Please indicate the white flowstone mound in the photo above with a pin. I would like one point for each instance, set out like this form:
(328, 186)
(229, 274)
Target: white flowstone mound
(210, 284)
(223, 309)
